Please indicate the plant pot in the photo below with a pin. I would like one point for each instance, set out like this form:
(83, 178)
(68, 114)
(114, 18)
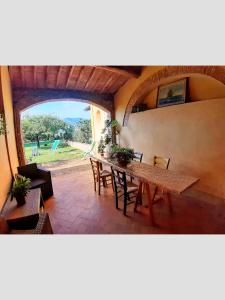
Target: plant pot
(123, 160)
(20, 199)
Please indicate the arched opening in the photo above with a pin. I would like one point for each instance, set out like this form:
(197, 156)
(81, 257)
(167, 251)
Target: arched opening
(78, 130)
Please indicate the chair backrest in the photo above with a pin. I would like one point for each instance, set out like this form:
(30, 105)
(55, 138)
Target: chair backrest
(138, 156)
(30, 170)
(95, 165)
(161, 162)
(55, 145)
(119, 179)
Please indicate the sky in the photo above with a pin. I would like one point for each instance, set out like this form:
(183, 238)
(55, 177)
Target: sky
(61, 109)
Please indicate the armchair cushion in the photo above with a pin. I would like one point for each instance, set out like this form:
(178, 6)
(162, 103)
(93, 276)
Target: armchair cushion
(29, 171)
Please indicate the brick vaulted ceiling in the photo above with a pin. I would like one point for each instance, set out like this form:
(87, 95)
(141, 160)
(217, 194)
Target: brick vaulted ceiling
(96, 79)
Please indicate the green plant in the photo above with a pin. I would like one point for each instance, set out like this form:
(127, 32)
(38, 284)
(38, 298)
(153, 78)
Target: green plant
(101, 146)
(21, 186)
(2, 124)
(123, 154)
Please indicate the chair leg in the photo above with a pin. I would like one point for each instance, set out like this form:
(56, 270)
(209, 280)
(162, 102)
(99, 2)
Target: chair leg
(99, 185)
(139, 197)
(155, 192)
(125, 205)
(112, 183)
(94, 184)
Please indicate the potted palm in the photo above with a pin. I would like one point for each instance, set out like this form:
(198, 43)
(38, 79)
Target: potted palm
(124, 155)
(20, 189)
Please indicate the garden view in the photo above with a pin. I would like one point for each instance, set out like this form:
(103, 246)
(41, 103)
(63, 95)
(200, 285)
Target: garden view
(40, 132)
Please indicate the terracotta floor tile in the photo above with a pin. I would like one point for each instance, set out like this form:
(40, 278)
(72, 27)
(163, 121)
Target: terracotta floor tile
(77, 209)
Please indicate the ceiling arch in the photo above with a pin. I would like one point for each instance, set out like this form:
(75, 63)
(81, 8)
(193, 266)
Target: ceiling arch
(160, 77)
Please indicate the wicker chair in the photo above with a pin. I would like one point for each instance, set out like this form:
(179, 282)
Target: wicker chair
(39, 179)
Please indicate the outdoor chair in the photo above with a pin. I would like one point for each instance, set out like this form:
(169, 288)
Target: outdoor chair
(163, 163)
(125, 189)
(43, 226)
(101, 177)
(39, 179)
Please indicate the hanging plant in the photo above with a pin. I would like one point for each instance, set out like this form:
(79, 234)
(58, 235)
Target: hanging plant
(2, 124)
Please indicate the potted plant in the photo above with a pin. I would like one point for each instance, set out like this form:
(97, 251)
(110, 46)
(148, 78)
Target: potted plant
(124, 155)
(101, 147)
(20, 189)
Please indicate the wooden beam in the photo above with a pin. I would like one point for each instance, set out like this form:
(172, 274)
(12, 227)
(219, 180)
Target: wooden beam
(117, 70)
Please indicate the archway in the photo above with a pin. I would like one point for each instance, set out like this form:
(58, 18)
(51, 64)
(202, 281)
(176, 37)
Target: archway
(173, 72)
(25, 98)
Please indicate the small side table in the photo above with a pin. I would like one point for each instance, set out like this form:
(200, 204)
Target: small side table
(27, 215)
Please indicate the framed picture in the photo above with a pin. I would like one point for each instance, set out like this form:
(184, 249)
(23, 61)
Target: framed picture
(172, 93)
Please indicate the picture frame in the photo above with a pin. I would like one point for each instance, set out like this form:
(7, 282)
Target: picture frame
(172, 93)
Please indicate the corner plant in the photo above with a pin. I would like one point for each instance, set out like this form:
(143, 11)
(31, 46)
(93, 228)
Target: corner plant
(20, 189)
(2, 124)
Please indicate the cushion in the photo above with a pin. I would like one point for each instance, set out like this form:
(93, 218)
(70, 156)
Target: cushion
(37, 183)
(29, 171)
(4, 228)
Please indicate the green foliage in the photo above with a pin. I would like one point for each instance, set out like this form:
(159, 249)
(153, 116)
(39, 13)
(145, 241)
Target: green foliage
(107, 132)
(45, 127)
(82, 132)
(101, 146)
(2, 124)
(21, 186)
(123, 154)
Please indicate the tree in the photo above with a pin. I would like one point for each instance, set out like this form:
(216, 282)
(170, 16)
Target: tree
(43, 127)
(82, 132)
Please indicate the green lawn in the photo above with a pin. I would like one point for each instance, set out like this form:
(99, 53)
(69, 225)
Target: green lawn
(46, 155)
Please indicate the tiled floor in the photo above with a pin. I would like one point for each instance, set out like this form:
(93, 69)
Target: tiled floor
(76, 208)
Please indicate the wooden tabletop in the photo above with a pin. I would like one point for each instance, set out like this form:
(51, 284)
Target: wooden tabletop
(171, 180)
(32, 206)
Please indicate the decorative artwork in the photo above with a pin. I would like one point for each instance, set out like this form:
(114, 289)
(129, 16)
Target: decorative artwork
(172, 93)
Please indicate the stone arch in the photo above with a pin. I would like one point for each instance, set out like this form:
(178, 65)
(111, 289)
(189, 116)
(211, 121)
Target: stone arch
(173, 72)
(25, 98)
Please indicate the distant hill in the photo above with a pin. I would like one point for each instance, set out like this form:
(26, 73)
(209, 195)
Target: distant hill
(72, 120)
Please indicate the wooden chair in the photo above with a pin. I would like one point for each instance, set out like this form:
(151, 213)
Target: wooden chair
(163, 163)
(101, 177)
(125, 189)
(137, 157)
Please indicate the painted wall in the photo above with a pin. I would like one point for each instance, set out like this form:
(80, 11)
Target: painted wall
(192, 134)
(200, 88)
(5, 173)
(98, 118)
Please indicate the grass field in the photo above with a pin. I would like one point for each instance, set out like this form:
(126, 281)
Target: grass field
(47, 155)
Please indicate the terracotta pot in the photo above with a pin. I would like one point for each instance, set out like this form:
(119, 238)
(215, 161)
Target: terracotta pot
(20, 199)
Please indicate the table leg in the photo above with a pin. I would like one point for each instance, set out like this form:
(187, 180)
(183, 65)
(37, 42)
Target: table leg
(150, 204)
(139, 196)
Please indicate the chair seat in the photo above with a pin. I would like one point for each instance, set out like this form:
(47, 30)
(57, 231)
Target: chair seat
(131, 187)
(37, 183)
(104, 173)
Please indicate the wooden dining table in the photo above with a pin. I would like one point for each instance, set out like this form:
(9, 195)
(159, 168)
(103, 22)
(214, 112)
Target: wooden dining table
(168, 180)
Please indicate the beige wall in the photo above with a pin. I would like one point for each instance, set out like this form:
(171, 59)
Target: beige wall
(192, 134)
(5, 173)
(98, 118)
(200, 87)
